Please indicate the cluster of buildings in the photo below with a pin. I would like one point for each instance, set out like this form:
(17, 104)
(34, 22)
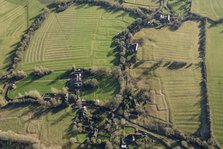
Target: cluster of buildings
(131, 139)
(164, 18)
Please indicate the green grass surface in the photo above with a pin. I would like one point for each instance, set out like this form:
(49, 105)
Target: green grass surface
(13, 21)
(43, 84)
(208, 8)
(180, 86)
(215, 78)
(147, 3)
(108, 87)
(51, 126)
(129, 130)
(80, 35)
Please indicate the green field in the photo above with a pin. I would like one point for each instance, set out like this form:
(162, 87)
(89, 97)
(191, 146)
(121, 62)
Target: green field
(208, 8)
(14, 19)
(215, 78)
(80, 35)
(146, 3)
(50, 126)
(108, 87)
(43, 84)
(179, 85)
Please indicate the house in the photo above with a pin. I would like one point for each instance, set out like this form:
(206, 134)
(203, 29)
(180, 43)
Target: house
(123, 144)
(78, 78)
(133, 48)
(131, 138)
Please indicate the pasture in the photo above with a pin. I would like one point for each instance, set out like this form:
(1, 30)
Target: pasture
(215, 78)
(178, 73)
(81, 35)
(15, 16)
(208, 8)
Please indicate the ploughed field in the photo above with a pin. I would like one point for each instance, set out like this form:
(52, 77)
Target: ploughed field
(15, 17)
(81, 35)
(215, 78)
(179, 73)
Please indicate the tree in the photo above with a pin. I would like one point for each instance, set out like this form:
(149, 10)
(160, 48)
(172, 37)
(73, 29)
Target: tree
(101, 71)
(93, 83)
(34, 94)
(122, 60)
(117, 72)
(72, 140)
(41, 71)
(108, 145)
(17, 75)
(113, 104)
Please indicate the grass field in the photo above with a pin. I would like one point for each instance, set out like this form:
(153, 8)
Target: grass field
(158, 107)
(138, 3)
(50, 126)
(80, 35)
(208, 8)
(215, 78)
(179, 7)
(43, 84)
(13, 21)
(179, 85)
(108, 87)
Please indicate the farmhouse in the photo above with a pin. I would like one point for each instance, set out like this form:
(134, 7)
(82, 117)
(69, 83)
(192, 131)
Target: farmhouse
(164, 18)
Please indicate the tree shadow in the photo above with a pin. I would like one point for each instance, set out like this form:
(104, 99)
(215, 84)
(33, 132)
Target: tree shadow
(176, 65)
(64, 75)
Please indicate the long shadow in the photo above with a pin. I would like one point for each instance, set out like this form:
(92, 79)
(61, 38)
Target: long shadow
(31, 79)
(64, 75)
(11, 106)
(176, 65)
(9, 58)
(216, 23)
